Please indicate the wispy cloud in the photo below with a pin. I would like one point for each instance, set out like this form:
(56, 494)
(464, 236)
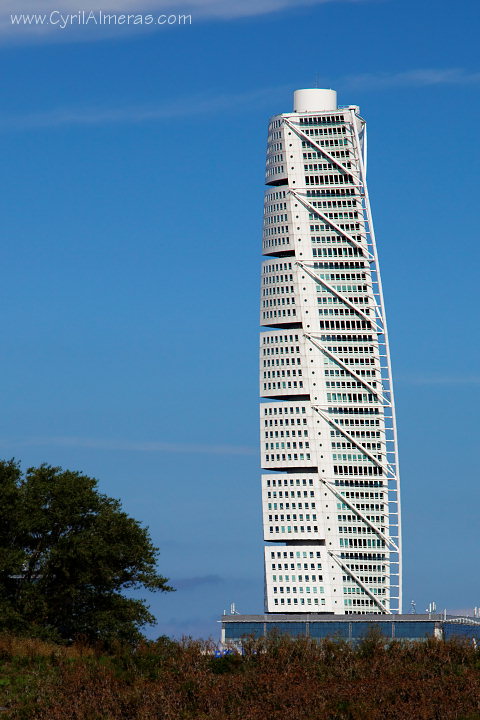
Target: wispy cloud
(178, 107)
(199, 10)
(129, 446)
(440, 380)
(411, 78)
(190, 583)
(207, 103)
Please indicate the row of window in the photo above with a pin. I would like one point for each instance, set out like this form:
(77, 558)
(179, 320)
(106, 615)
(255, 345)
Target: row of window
(284, 423)
(275, 219)
(271, 409)
(357, 470)
(322, 119)
(332, 239)
(346, 215)
(364, 507)
(363, 495)
(317, 155)
(350, 446)
(268, 339)
(287, 446)
(284, 385)
(346, 384)
(292, 518)
(281, 350)
(287, 457)
(315, 167)
(286, 433)
(272, 314)
(344, 325)
(362, 542)
(332, 191)
(270, 267)
(300, 601)
(276, 241)
(288, 481)
(301, 505)
(273, 159)
(340, 265)
(351, 457)
(339, 311)
(346, 338)
(275, 231)
(275, 170)
(351, 397)
(379, 519)
(353, 410)
(285, 566)
(329, 180)
(293, 529)
(319, 132)
(351, 349)
(341, 276)
(268, 209)
(283, 373)
(369, 568)
(298, 554)
(334, 142)
(335, 252)
(358, 483)
(358, 422)
(320, 590)
(282, 295)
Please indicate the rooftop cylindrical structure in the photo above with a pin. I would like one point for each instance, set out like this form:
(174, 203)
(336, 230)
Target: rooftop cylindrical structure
(313, 100)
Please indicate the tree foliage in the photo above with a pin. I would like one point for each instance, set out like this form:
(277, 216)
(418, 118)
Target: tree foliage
(67, 553)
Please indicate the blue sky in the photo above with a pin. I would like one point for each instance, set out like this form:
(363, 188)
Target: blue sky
(132, 190)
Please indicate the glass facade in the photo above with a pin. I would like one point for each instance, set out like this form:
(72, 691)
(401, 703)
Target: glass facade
(354, 631)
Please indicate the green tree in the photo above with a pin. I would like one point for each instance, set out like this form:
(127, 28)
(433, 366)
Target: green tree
(67, 553)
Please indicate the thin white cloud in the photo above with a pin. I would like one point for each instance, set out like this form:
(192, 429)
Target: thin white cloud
(189, 106)
(129, 446)
(270, 97)
(422, 77)
(198, 9)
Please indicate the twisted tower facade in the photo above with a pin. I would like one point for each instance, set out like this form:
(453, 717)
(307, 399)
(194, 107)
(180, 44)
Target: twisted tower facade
(331, 501)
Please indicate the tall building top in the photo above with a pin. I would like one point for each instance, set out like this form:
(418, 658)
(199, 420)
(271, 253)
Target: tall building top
(314, 100)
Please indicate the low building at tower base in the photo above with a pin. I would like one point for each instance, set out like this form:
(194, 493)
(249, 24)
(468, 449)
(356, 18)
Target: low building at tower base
(352, 628)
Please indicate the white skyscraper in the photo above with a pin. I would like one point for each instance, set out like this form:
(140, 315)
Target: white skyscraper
(331, 503)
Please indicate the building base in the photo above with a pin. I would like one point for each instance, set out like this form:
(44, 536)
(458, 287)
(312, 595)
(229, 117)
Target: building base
(351, 628)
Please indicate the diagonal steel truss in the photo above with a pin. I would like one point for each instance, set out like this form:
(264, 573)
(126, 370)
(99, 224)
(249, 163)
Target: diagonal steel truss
(359, 582)
(339, 295)
(315, 211)
(359, 513)
(321, 149)
(350, 438)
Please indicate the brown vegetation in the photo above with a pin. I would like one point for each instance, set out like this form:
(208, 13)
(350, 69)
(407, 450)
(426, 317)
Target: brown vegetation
(278, 679)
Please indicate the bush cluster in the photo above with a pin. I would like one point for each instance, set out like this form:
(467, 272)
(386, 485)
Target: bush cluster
(279, 678)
